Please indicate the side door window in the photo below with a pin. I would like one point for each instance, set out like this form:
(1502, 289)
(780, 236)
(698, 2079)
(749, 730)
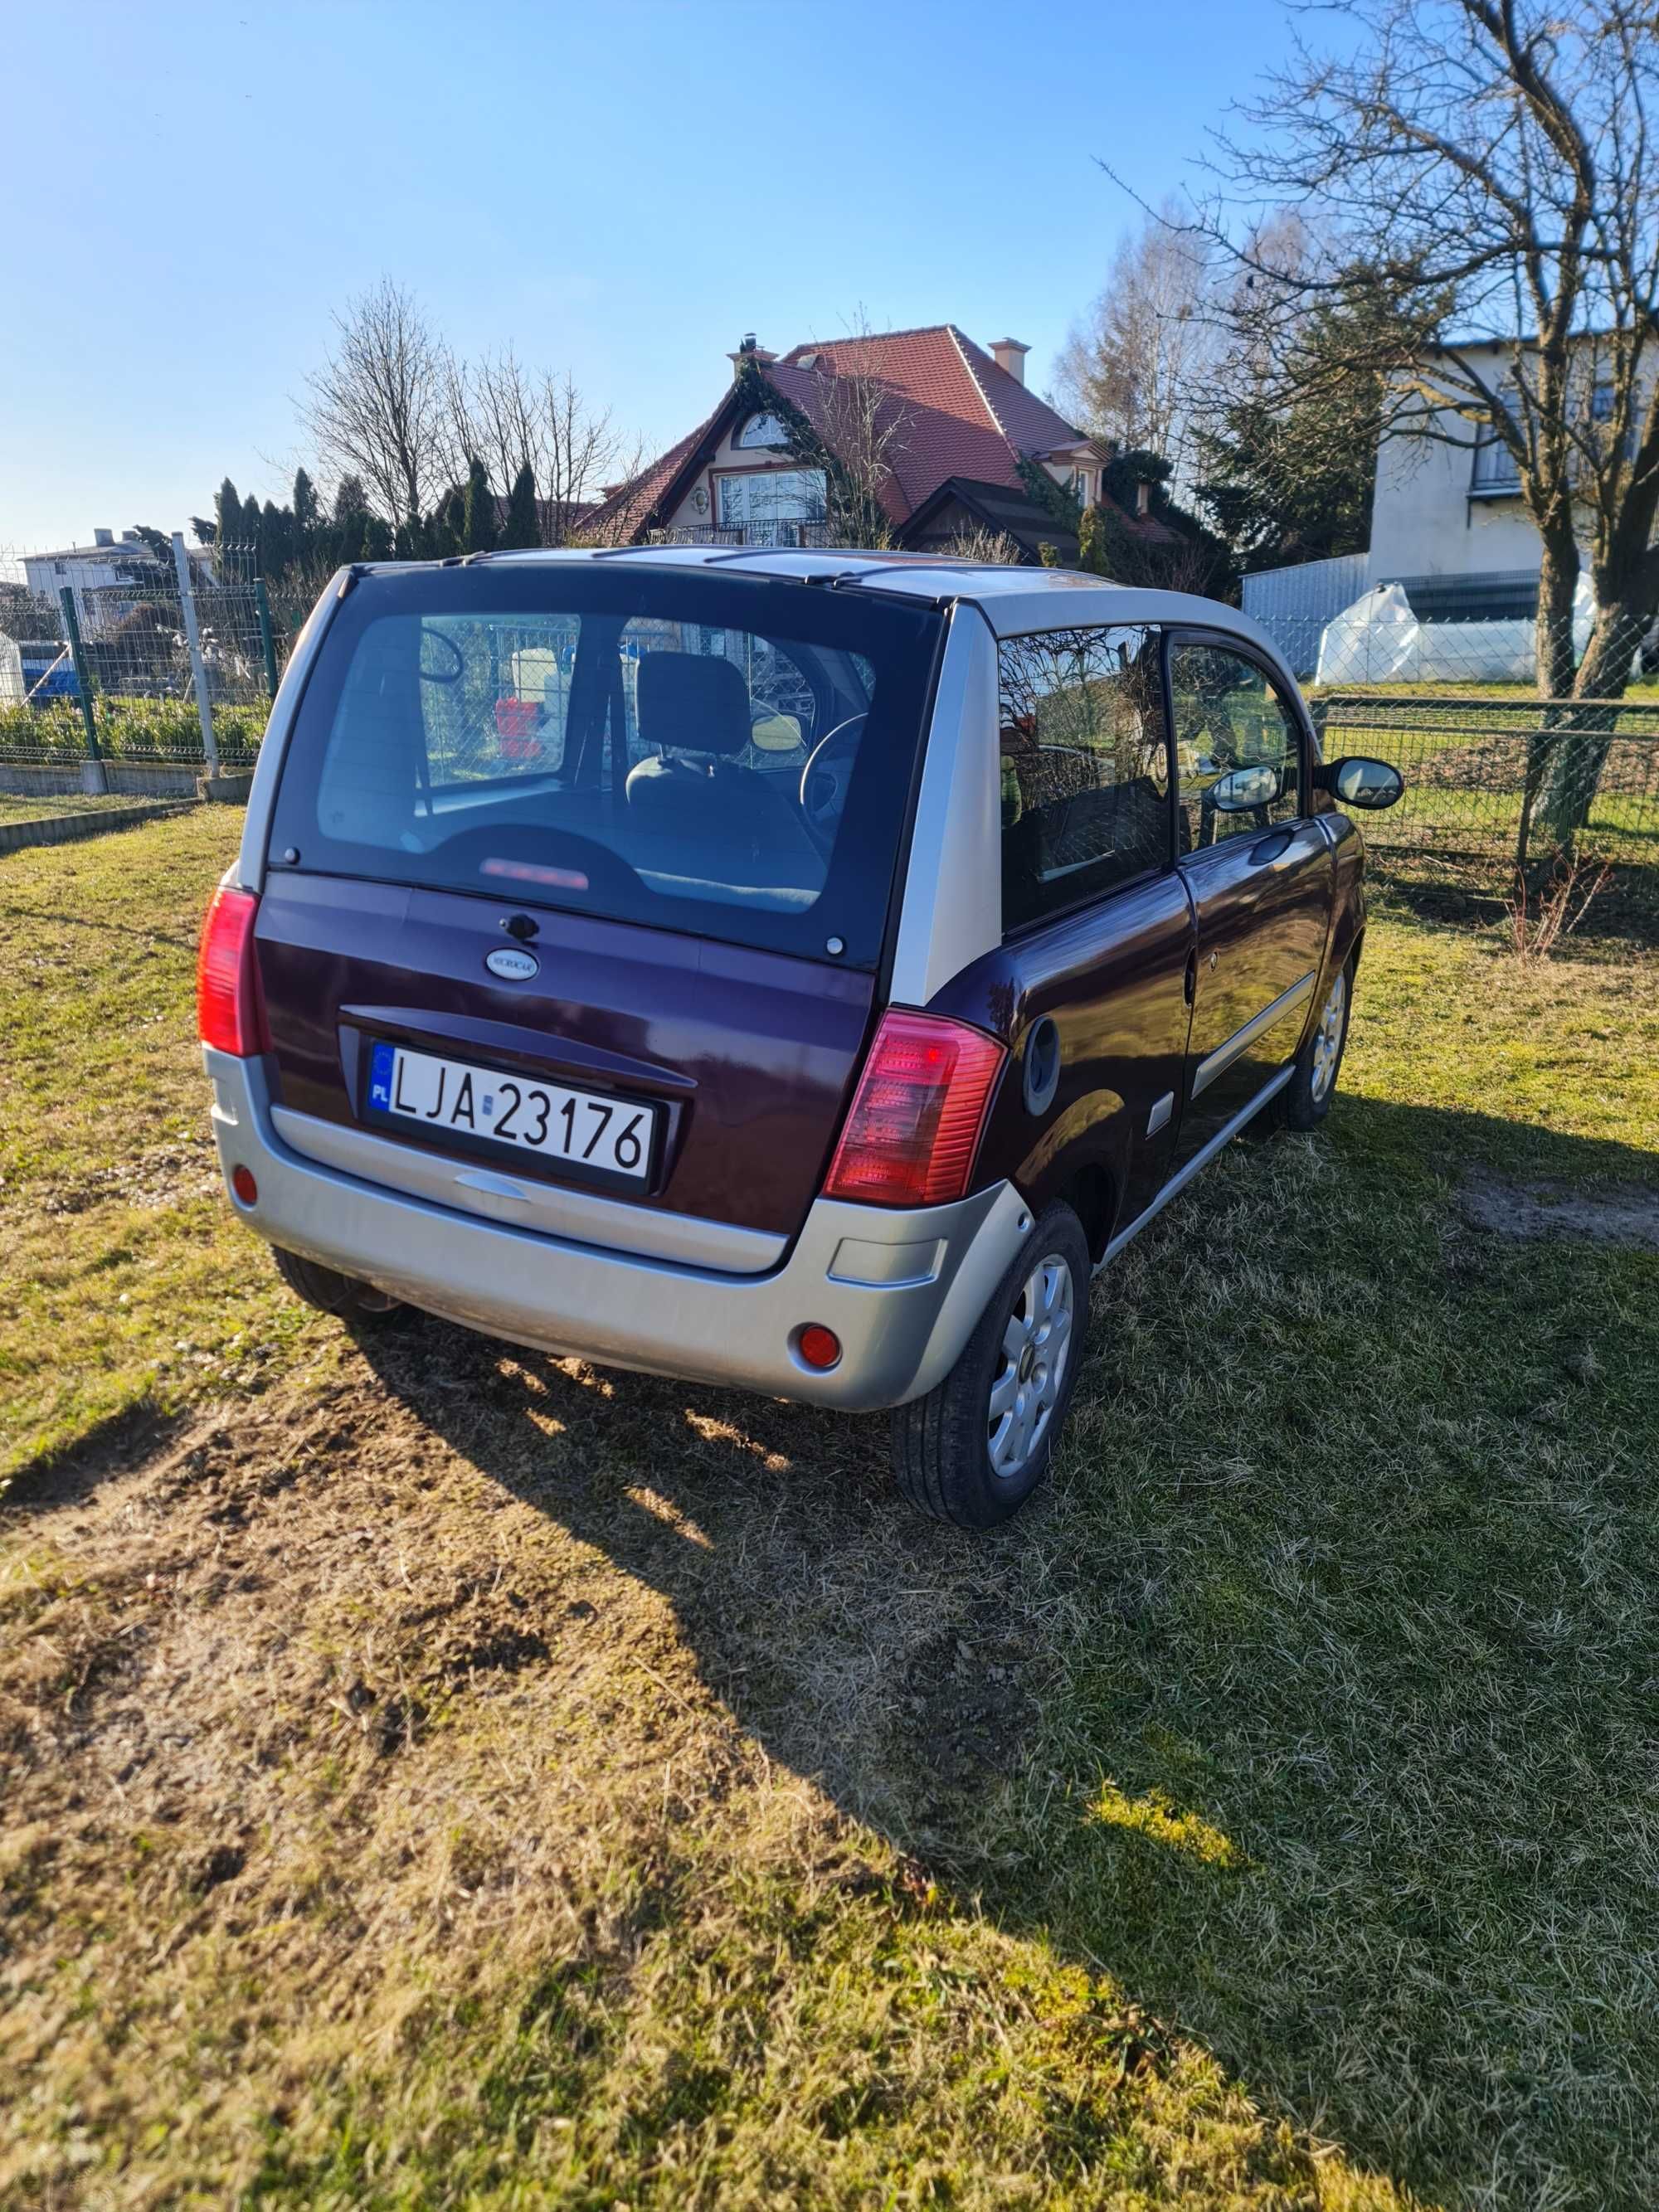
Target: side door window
(1084, 767)
(1229, 713)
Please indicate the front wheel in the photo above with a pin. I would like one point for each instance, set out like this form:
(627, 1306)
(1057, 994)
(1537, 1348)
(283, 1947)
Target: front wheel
(1306, 1098)
(973, 1451)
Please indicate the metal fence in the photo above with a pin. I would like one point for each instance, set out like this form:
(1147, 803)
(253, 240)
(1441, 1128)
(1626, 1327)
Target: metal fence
(1495, 783)
(135, 664)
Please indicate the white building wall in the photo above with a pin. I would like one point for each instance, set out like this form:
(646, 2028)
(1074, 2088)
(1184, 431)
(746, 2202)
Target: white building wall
(45, 578)
(1424, 521)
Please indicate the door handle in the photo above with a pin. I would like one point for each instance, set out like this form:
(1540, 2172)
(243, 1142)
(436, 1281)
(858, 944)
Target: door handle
(1271, 849)
(1190, 980)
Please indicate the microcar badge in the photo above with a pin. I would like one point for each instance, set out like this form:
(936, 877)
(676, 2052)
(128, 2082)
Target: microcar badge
(512, 965)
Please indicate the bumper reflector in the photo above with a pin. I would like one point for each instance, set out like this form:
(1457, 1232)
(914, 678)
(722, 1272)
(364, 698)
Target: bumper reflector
(818, 1346)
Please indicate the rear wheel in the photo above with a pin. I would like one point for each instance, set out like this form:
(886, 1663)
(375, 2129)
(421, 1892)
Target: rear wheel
(973, 1451)
(1306, 1098)
(329, 1292)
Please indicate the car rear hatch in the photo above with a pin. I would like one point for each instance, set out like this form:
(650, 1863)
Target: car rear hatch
(572, 916)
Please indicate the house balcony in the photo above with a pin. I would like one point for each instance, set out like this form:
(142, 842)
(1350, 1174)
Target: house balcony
(773, 532)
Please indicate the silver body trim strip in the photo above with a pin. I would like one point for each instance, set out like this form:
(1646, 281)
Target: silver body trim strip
(1240, 1041)
(549, 1209)
(1177, 1183)
(1159, 1117)
(903, 1288)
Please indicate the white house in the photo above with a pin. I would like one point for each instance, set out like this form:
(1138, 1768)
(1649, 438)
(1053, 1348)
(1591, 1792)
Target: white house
(95, 573)
(1451, 543)
(1449, 524)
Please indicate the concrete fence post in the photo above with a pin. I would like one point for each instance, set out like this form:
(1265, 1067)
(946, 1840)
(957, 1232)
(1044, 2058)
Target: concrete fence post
(193, 640)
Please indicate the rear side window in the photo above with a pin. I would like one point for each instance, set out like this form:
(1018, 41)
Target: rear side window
(730, 758)
(1085, 767)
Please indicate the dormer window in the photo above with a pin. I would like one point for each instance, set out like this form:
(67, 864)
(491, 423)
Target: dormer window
(761, 430)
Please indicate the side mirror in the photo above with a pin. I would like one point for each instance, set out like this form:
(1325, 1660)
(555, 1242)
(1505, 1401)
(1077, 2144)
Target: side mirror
(1242, 790)
(1370, 784)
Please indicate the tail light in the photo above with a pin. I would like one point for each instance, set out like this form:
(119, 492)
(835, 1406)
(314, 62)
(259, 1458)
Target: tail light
(915, 1123)
(230, 1012)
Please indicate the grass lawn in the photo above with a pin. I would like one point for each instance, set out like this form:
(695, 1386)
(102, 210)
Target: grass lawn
(435, 1775)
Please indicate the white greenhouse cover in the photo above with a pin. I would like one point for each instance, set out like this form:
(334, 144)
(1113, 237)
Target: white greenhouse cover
(11, 671)
(1379, 640)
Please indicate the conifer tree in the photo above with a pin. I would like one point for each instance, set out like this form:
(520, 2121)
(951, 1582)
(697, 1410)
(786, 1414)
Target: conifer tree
(478, 523)
(521, 528)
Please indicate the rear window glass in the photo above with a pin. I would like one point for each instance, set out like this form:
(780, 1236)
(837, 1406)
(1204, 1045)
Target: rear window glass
(728, 756)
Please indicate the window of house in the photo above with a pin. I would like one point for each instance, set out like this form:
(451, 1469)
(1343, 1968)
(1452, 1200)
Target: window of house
(767, 504)
(1229, 714)
(1494, 468)
(761, 430)
(1085, 754)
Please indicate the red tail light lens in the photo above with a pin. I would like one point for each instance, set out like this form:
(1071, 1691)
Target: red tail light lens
(915, 1127)
(230, 1012)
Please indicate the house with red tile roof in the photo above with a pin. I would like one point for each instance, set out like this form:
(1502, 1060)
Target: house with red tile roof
(940, 434)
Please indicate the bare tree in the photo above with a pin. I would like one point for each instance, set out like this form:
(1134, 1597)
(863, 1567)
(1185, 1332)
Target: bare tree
(375, 407)
(1132, 369)
(1483, 171)
(864, 426)
(990, 549)
(582, 450)
(495, 411)
(492, 412)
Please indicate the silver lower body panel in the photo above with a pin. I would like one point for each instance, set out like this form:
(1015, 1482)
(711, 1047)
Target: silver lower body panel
(902, 1288)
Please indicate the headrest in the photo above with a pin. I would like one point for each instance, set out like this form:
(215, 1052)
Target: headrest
(697, 702)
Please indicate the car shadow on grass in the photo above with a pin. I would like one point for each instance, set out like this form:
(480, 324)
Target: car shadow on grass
(1311, 1702)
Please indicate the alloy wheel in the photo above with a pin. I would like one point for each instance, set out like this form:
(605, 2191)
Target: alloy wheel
(1328, 1040)
(1036, 1345)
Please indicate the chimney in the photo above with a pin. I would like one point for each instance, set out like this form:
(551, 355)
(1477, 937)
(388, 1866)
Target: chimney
(749, 350)
(1010, 355)
(103, 538)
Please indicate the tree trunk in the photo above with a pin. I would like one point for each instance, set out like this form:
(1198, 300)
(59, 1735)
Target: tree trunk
(1579, 754)
(1557, 580)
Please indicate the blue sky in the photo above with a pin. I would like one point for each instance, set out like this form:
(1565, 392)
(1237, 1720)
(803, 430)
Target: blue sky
(621, 189)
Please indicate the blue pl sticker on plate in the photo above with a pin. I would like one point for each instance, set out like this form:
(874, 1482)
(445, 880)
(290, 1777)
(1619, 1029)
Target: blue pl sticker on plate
(381, 1063)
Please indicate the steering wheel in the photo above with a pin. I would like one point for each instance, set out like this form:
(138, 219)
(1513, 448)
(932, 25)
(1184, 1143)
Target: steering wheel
(440, 675)
(825, 779)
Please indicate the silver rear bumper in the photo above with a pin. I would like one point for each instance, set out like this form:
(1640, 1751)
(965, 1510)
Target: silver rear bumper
(901, 1290)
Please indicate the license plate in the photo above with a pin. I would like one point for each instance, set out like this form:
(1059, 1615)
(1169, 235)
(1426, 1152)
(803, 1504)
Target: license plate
(450, 1097)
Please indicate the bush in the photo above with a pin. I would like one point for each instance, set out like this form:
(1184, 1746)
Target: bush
(133, 729)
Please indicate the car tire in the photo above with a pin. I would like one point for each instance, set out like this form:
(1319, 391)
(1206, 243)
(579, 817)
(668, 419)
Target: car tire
(329, 1292)
(958, 1452)
(1306, 1098)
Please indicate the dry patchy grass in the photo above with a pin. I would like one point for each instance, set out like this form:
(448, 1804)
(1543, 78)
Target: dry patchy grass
(433, 1775)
